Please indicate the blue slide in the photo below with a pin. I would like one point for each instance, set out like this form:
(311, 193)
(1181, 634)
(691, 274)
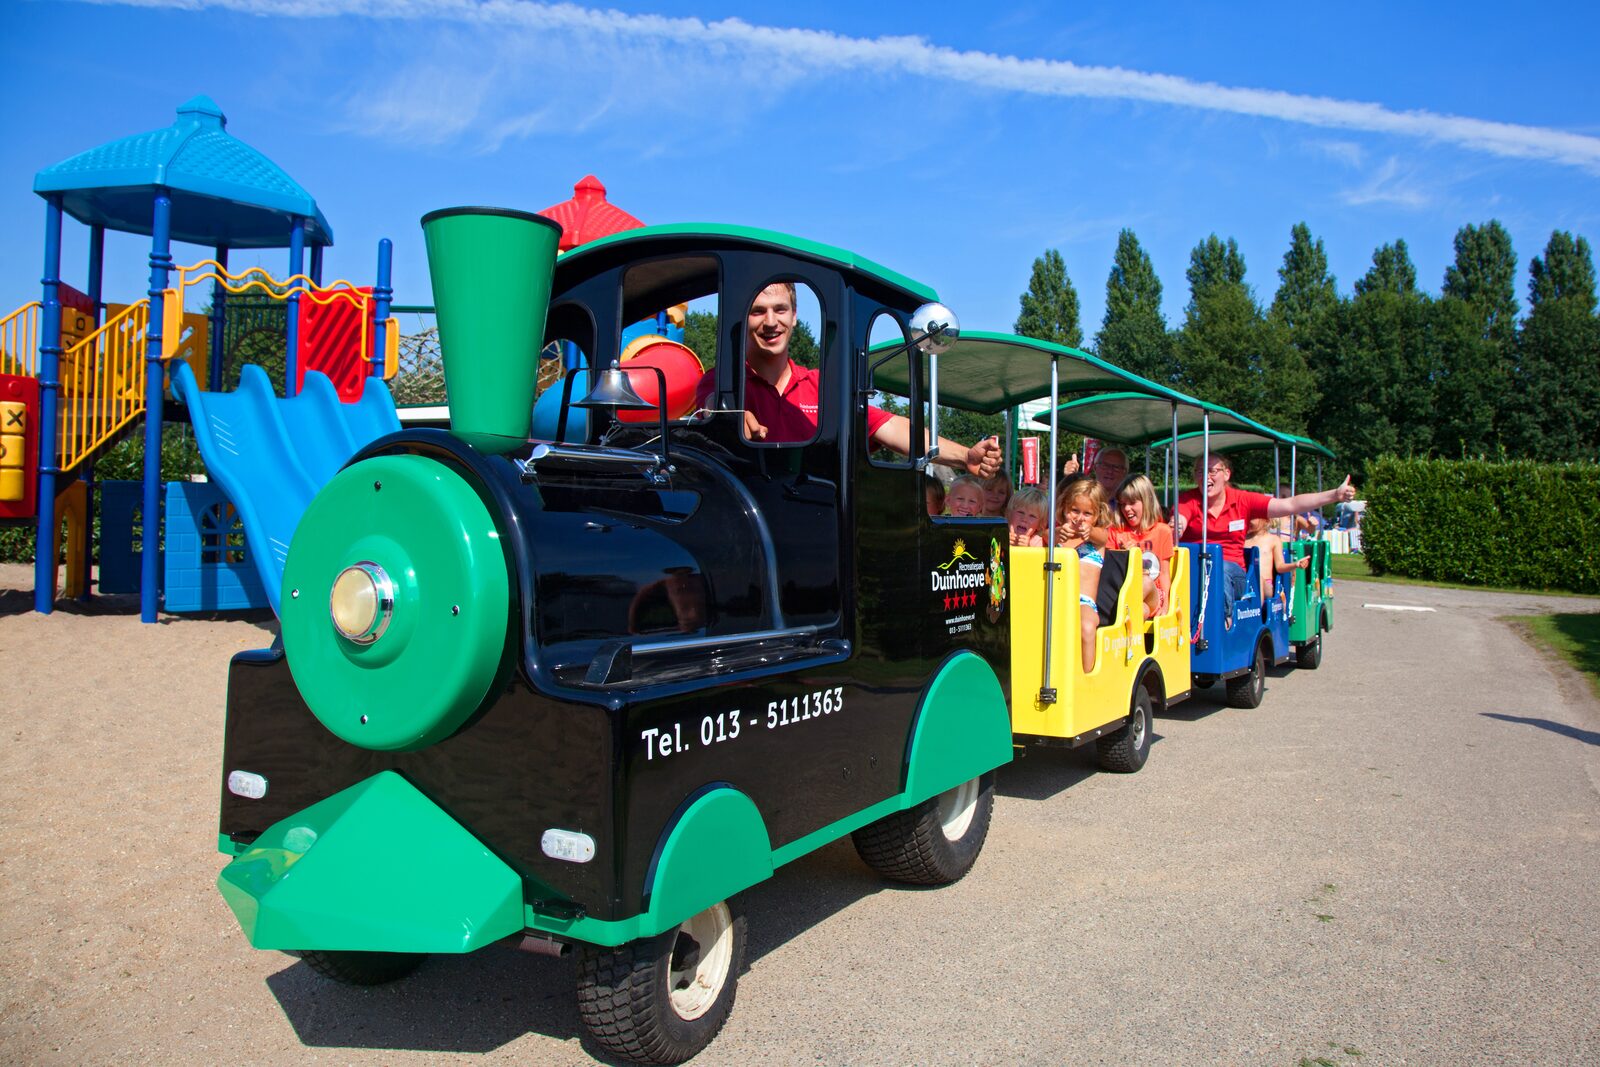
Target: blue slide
(272, 454)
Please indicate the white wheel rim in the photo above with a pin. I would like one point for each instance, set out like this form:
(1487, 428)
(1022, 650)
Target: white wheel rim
(695, 982)
(956, 808)
(1138, 727)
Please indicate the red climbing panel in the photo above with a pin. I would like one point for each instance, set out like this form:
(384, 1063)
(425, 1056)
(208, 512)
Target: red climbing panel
(331, 342)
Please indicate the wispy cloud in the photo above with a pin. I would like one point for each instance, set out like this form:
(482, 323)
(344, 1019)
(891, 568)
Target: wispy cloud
(1347, 152)
(1390, 184)
(795, 53)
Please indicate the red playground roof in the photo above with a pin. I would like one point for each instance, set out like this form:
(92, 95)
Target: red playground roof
(588, 216)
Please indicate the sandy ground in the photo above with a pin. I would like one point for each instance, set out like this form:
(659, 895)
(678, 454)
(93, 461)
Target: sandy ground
(1396, 859)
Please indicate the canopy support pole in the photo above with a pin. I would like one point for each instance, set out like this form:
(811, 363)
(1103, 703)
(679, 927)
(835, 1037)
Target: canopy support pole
(382, 294)
(219, 318)
(297, 258)
(49, 370)
(97, 258)
(154, 397)
(1047, 693)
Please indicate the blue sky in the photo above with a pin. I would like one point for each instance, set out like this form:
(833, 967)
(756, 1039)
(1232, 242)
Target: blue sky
(955, 157)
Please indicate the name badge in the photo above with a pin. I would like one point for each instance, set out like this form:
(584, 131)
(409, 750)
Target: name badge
(1236, 525)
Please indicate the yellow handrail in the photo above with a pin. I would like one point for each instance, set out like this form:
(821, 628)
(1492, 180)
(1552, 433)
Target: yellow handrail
(257, 278)
(19, 340)
(102, 382)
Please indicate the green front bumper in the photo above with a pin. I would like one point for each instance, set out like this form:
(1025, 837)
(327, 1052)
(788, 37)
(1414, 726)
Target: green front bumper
(378, 867)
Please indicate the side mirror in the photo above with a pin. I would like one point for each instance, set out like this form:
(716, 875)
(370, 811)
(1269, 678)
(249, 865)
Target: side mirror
(934, 330)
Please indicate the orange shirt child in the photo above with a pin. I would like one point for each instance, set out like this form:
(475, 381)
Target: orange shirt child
(1156, 544)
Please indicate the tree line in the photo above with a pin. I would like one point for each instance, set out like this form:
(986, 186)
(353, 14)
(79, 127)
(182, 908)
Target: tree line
(1385, 369)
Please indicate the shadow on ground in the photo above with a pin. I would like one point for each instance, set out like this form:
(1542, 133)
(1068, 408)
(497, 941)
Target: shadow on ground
(20, 602)
(1588, 737)
(488, 999)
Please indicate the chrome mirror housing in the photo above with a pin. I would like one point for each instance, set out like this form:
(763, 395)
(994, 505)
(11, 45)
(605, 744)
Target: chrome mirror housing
(934, 328)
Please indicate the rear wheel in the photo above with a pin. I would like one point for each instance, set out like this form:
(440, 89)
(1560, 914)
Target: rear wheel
(934, 843)
(362, 968)
(1126, 750)
(1247, 690)
(661, 1000)
(1308, 656)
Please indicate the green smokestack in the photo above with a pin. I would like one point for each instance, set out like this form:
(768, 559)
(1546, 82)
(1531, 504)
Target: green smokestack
(491, 270)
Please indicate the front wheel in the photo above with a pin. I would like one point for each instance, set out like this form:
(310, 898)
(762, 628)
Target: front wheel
(661, 1000)
(1308, 656)
(1247, 690)
(362, 968)
(1126, 750)
(934, 843)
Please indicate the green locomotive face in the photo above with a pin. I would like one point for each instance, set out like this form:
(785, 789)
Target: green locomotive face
(584, 693)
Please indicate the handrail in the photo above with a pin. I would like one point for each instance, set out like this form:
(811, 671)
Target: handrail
(102, 382)
(257, 279)
(19, 340)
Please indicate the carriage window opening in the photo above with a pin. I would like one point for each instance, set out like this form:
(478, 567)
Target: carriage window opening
(561, 360)
(668, 323)
(781, 387)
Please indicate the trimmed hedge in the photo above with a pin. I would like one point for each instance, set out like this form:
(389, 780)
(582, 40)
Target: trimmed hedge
(1520, 523)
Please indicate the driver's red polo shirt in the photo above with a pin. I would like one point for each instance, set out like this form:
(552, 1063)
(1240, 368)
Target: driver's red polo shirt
(1230, 529)
(791, 416)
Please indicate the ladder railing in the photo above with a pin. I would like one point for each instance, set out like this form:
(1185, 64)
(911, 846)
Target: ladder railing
(19, 340)
(102, 382)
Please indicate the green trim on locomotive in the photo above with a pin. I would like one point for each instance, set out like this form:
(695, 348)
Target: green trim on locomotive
(325, 878)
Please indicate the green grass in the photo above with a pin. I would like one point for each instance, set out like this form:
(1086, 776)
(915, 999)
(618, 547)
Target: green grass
(1354, 567)
(1575, 638)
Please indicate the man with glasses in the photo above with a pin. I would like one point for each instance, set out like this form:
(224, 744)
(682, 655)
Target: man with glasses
(1110, 468)
(1229, 512)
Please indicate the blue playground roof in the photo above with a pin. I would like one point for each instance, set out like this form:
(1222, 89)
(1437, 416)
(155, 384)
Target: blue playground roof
(223, 191)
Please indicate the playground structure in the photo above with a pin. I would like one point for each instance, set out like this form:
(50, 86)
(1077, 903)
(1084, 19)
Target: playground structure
(78, 375)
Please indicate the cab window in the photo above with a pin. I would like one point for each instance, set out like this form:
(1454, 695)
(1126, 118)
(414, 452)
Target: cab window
(780, 389)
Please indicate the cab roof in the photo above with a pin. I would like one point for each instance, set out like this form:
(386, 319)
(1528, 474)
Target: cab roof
(709, 236)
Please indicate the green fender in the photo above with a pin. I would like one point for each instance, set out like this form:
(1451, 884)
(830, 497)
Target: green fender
(717, 848)
(377, 867)
(963, 729)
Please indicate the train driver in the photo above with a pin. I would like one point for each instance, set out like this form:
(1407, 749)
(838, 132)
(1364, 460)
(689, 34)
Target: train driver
(1231, 511)
(781, 396)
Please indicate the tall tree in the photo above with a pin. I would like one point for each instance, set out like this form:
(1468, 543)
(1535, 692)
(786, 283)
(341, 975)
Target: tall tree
(1391, 271)
(1133, 335)
(1050, 306)
(1554, 403)
(1484, 276)
(1477, 335)
(1218, 360)
(1229, 353)
(1306, 291)
(1376, 385)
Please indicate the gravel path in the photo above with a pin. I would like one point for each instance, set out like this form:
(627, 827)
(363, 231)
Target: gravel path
(1396, 859)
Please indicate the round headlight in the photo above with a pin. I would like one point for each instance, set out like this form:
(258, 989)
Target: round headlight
(361, 602)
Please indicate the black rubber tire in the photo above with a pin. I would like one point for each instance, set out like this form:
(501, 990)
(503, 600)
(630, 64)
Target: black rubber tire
(1126, 750)
(1308, 656)
(1246, 690)
(910, 846)
(1204, 681)
(362, 968)
(624, 998)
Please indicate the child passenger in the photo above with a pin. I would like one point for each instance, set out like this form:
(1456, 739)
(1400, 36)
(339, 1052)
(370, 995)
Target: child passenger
(1270, 549)
(1142, 528)
(965, 496)
(1028, 515)
(933, 495)
(1083, 506)
(996, 491)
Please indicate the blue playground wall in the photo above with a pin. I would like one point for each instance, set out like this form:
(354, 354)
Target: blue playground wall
(208, 565)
